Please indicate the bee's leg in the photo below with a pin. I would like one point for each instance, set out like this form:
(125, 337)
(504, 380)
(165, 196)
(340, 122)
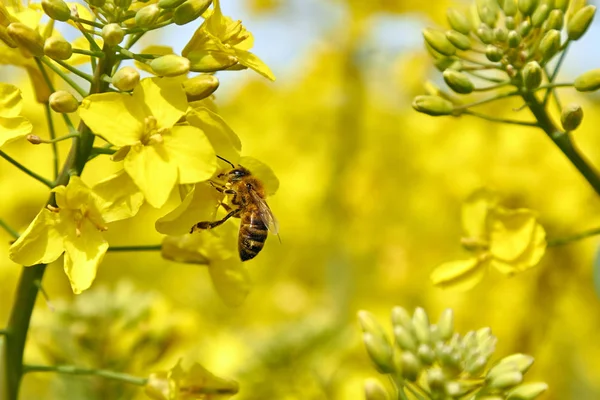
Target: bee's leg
(213, 224)
(220, 188)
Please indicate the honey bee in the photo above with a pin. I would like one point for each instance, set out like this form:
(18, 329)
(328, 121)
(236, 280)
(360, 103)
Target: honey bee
(249, 199)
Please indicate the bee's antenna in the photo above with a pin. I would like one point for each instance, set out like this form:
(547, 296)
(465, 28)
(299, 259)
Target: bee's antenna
(227, 161)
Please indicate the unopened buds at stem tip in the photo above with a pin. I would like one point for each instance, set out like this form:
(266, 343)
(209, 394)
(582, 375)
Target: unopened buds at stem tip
(62, 101)
(126, 78)
(580, 22)
(34, 139)
(56, 9)
(571, 116)
(375, 391)
(170, 65)
(588, 81)
(432, 105)
(112, 34)
(58, 48)
(27, 38)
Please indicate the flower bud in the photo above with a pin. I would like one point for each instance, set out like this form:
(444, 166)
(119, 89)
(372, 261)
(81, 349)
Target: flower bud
(580, 22)
(527, 7)
(375, 391)
(410, 366)
(532, 75)
(493, 53)
(475, 365)
(96, 3)
(506, 380)
(376, 342)
(421, 324)
(26, 38)
(510, 8)
(555, 20)
(438, 41)
(500, 34)
(190, 10)
(4, 37)
(404, 338)
(400, 317)
(521, 362)
(514, 39)
(550, 44)
(571, 116)
(426, 354)
(562, 5)
(459, 40)
(147, 16)
(200, 87)
(168, 4)
(206, 61)
(34, 139)
(539, 15)
(527, 391)
(510, 23)
(525, 28)
(112, 34)
(62, 101)
(588, 81)
(126, 78)
(458, 82)
(485, 34)
(432, 105)
(458, 21)
(123, 4)
(436, 380)
(446, 324)
(56, 9)
(488, 11)
(170, 65)
(58, 48)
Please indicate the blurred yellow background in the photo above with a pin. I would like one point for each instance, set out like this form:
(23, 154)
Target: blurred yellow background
(369, 205)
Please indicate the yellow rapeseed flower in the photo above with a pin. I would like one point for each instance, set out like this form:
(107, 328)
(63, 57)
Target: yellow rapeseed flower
(157, 153)
(73, 228)
(12, 126)
(509, 240)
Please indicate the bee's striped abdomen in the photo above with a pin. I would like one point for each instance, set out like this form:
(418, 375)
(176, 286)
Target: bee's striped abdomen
(253, 234)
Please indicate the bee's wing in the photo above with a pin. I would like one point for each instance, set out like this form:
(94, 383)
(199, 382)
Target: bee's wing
(265, 213)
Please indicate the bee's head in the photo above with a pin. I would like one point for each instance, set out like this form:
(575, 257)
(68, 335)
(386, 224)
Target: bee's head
(237, 174)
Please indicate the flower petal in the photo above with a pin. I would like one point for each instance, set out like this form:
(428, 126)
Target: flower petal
(83, 254)
(117, 117)
(121, 198)
(252, 61)
(10, 100)
(13, 128)
(511, 232)
(41, 243)
(223, 139)
(189, 148)
(529, 258)
(460, 275)
(152, 172)
(474, 213)
(231, 280)
(163, 98)
(199, 205)
(263, 172)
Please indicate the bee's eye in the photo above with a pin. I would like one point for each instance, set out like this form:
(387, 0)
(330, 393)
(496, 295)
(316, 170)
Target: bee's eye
(238, 173)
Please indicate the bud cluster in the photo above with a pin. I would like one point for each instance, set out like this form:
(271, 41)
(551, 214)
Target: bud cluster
(441, 362)
(507, 42)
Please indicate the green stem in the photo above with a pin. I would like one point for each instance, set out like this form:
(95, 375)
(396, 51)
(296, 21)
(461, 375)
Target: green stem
(60, 139)
(488, 100)
(149, 247)
(8, 229)
(551, 77)
(485, 78)
(90, 53)
(74, 70)
(73, 370)
(497, 119)
(573, 238)
(64, 76)
(493, 87)
(562, 140)
(55, 155)
(87, 22)
(51, 86)
(26, 170)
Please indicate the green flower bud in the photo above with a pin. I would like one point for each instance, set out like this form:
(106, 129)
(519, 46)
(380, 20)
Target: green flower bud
(485, 34)
(58, 48)
(458, 21)
(56, 9)
(34, 139)
(510, 8)
(550, 44)
(376, 342)
(446, 324)
(588, 81)
(488, 11)
(510, 23)
(580, 22)
(400, 317)
(493, 53)
(375, 391)
(433, 105)
(458, 82)
(525, 28)
(514, 39)
(555, 20)
(539, 16)
(96, 3)
(170, 65)
(404, 338)
(571, 116)
(527, 7)
(522, 362)
(62, 101)
(506, 380)
(438, 41)
(410, 366)
(168, 4)
(147, 16)
(436, 380)
(421, 324)
(26, 38)
(562, 5)
(459, 40)
(126, 78)
(112, 34)
(426, 354)
(500, 34)
(476, 365)
(123, 4)
(4, 37)
(527, 391)
(207, 61)
(200, 87)
(532, 75)
(190, 10)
